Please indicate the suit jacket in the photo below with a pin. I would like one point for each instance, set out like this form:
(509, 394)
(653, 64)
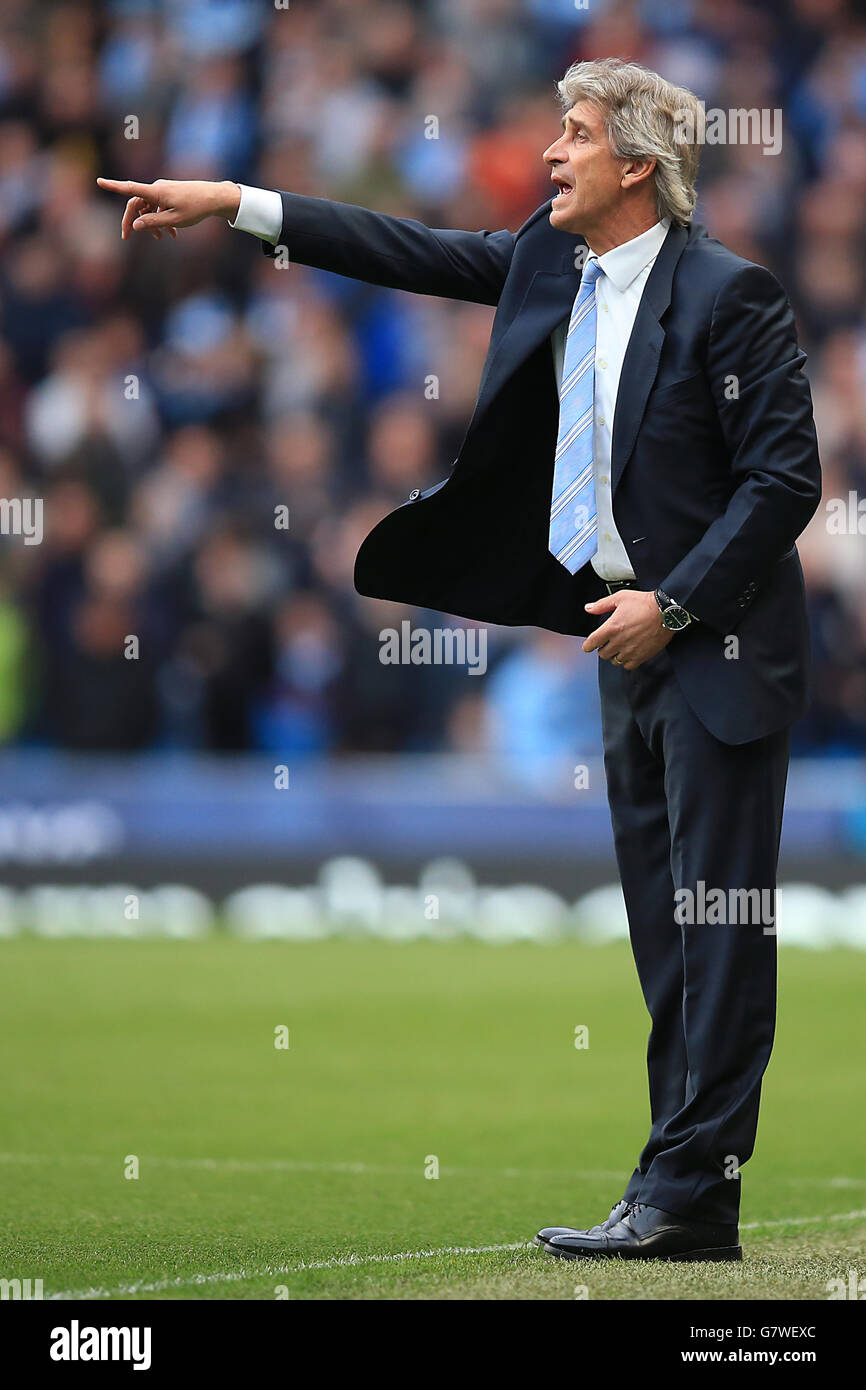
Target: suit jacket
(714, 471)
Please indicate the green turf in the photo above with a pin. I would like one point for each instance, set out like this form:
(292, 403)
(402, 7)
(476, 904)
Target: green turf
(257, 1162)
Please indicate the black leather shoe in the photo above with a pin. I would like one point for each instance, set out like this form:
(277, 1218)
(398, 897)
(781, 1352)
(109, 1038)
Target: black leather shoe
(616, 1214)
(646, 1233)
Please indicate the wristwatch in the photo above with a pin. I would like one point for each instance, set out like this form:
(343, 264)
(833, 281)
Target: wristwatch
(674, 618)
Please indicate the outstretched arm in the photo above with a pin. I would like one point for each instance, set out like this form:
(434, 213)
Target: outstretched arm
(397, 252)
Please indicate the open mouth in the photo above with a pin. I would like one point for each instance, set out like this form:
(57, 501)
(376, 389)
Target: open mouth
(563, 189)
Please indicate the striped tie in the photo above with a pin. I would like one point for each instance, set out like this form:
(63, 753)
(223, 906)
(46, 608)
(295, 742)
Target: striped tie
(573, 514)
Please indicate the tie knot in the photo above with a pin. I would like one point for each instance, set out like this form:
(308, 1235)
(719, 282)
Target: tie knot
(591, 272)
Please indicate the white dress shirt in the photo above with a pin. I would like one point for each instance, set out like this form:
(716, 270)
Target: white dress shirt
(618, 295)
(260, 212)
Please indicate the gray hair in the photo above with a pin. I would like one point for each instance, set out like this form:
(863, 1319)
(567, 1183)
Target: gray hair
(645, 118)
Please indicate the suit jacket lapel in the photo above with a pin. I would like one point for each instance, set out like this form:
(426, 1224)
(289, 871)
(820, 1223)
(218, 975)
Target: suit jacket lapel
(548, 300)
(641, 361)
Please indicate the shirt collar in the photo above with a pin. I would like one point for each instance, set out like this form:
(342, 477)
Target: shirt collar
(624, 263)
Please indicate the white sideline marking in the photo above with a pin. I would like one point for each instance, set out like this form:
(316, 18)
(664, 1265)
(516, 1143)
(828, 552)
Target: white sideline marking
(292, 1165)
(338, 1262)
(803, 1220)
(351, 1261)
(299, 1165)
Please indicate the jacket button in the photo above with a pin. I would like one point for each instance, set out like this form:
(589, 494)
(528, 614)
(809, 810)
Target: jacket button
(414, 494)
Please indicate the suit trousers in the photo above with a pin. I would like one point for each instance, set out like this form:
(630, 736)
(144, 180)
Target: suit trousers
(696, 826)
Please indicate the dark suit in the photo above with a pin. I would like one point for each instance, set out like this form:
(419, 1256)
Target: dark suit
(715, 473)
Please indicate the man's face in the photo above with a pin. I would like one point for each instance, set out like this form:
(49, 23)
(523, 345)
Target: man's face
(585, 171)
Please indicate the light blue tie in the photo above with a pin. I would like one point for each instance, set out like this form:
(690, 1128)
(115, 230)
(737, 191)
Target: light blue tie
(573, 513)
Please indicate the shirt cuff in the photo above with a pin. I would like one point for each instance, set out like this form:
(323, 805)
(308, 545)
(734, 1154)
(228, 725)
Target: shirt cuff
(260, 212)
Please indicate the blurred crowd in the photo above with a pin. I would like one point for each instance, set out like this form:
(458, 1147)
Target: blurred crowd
(164, 398)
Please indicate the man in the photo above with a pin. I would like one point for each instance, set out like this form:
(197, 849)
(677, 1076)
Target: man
(639, 464)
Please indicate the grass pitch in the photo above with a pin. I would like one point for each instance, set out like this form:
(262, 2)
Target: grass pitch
(300, 1172)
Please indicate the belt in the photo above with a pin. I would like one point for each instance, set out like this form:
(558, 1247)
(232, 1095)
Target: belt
(614, 584)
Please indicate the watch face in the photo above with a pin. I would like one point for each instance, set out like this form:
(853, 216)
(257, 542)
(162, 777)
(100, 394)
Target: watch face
(675, 618)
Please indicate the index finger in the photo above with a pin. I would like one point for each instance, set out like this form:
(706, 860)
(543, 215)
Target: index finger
(137, 190)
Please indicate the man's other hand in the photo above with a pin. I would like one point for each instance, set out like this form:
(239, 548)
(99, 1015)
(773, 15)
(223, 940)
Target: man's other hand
(634, 631)
(167, 204)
